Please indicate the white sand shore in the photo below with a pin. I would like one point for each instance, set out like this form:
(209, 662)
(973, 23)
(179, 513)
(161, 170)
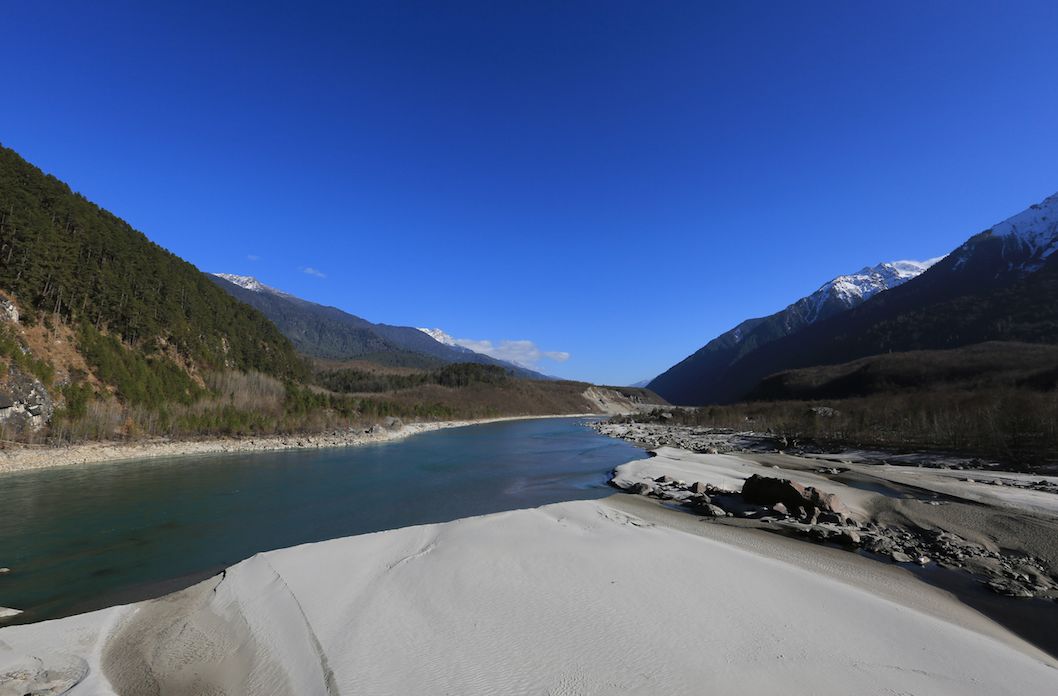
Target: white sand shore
(615, 596)
(991, 530)
(21, 458)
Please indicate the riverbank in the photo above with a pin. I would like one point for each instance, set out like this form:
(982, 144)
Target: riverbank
(23, 458)
(987, 535)
(537, 601)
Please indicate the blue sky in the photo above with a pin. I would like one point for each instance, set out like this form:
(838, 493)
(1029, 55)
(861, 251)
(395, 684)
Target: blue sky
(619, 181)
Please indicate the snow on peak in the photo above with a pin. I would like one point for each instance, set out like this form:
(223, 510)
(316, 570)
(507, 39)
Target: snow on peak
(855, 288)
(439, 336)
(1036, 229)
(248, 283)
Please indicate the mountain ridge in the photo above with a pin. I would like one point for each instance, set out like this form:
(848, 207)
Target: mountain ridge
(833, 297)
(999, 285)
(327, 332)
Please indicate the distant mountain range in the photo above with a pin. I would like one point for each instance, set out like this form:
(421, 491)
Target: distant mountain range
(998, 286)
(328, 332)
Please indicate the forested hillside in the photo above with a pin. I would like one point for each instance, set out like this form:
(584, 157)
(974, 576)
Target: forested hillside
(105, 335)
(67, 260)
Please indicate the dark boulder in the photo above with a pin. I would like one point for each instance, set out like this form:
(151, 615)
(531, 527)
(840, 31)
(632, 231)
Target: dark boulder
(764, 490)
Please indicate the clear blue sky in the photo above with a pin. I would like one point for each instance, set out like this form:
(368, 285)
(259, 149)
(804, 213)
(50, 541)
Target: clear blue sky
(620, 181)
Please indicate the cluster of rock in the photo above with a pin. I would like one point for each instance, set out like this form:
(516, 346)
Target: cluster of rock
(705, 440)
(791, 498)
(697, 494)
(390, 424)
(820, 514)
(1015, 576)
(1040, 485)
(25, 403)
(8, 311)
(690, 438)
(789, 507)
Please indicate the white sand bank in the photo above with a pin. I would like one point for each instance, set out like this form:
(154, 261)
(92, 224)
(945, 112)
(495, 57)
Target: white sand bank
(729, 472)
(575, 598)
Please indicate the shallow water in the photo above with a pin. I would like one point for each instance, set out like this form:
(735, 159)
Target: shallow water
(81, 538)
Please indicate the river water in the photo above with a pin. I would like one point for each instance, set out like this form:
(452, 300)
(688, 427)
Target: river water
(81, 538)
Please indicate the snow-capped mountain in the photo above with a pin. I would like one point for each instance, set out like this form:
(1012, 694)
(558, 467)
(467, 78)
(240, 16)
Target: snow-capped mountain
(446, 339)
(1000, 285)
(833, 297)
(440, 336)
(683, 382)
(847, 291)
(248, 283)
(1024, 241)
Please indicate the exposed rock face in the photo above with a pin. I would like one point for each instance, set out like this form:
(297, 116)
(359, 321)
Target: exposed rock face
(8, 311)
(24, 402)
(615, 402)
(763, 490)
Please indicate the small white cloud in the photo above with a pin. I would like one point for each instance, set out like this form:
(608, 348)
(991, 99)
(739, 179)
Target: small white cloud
(309, 270)
(522, 352)
(253, 257)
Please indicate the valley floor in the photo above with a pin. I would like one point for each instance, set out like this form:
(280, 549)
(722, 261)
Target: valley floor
(650, 593)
